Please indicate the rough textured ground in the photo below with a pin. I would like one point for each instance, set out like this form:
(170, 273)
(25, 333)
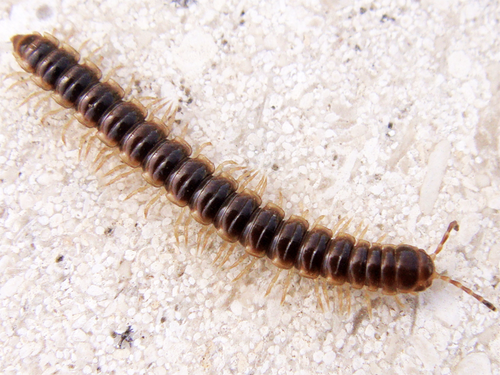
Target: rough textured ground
(385, 112)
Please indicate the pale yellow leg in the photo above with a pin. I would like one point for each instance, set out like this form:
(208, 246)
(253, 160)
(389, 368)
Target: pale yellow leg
(273, 281)
(398, 301)
(123, 175)
(201, 233)
(318, 295)
(205, 245)
(152, 201)
(261, 186)
(325, 293)
(233, 169)
(18, 83)
(219, 168)
(65, 129)
(128, 89)
(43, 120)
(340, 296)
(245, 183)
(137, 191)
(82, 142)
(219, 253)
(246, 269)
(239, 261)
(112, 72)
(286, 285)
(115, 169)
(200, 149)
(186, 229)
(17, 74)
(381, 238)
(105, 158)
(345, 226)
(363, 233)
(31, 96)
(176, 226)
(89, 145)
(280, 199)
(318, 220)
(184, 130)
(228, 254)
(348, 297)
(169, 116)
(368, 304)
(337, 225)
(44, 99)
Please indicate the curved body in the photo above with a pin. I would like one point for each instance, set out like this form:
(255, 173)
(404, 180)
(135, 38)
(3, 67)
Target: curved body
(213, 198)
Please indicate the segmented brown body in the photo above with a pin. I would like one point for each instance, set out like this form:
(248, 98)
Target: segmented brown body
(215, 199)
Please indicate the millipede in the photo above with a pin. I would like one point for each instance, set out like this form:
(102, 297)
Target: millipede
(221, 203)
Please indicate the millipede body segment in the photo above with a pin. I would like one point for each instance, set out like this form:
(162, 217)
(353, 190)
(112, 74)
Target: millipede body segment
(215, 198)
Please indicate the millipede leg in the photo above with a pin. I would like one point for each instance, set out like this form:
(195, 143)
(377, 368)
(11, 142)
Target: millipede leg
(357, 231)
(65, 129)
(228, 254)
(18, 83)
(337, 225)
(163, 104)
(368, 304)
(112, 72)
(280, 198)
(208, 235)
(200, 149)
(186, 229)
(219, 253)
(325, 293)
(340, 296)
(399, 302)
(286, 286)
(115, 169)
(31, 96)
(83, 45)
(363, 232)
(246, 269)
(51, 113)
(17, 74)
(137, 191)
(123, 175)
(317, 221)
(83, 139)
(247, 180)
(103, 151)
(234, 168)
(273, 281)
(345, 226)
(219, 168)
(201, 233)
(261, 186)
(381, 238)
(304, 211)
(239, 261)
(318, 295)
(176, 226)
(128, 89)
(184, 130)
(348, 298)
(152, 201)
(169, 116)
(89, 145)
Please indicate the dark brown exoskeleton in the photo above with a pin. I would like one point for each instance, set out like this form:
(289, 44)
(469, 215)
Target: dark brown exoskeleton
(213, 197)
